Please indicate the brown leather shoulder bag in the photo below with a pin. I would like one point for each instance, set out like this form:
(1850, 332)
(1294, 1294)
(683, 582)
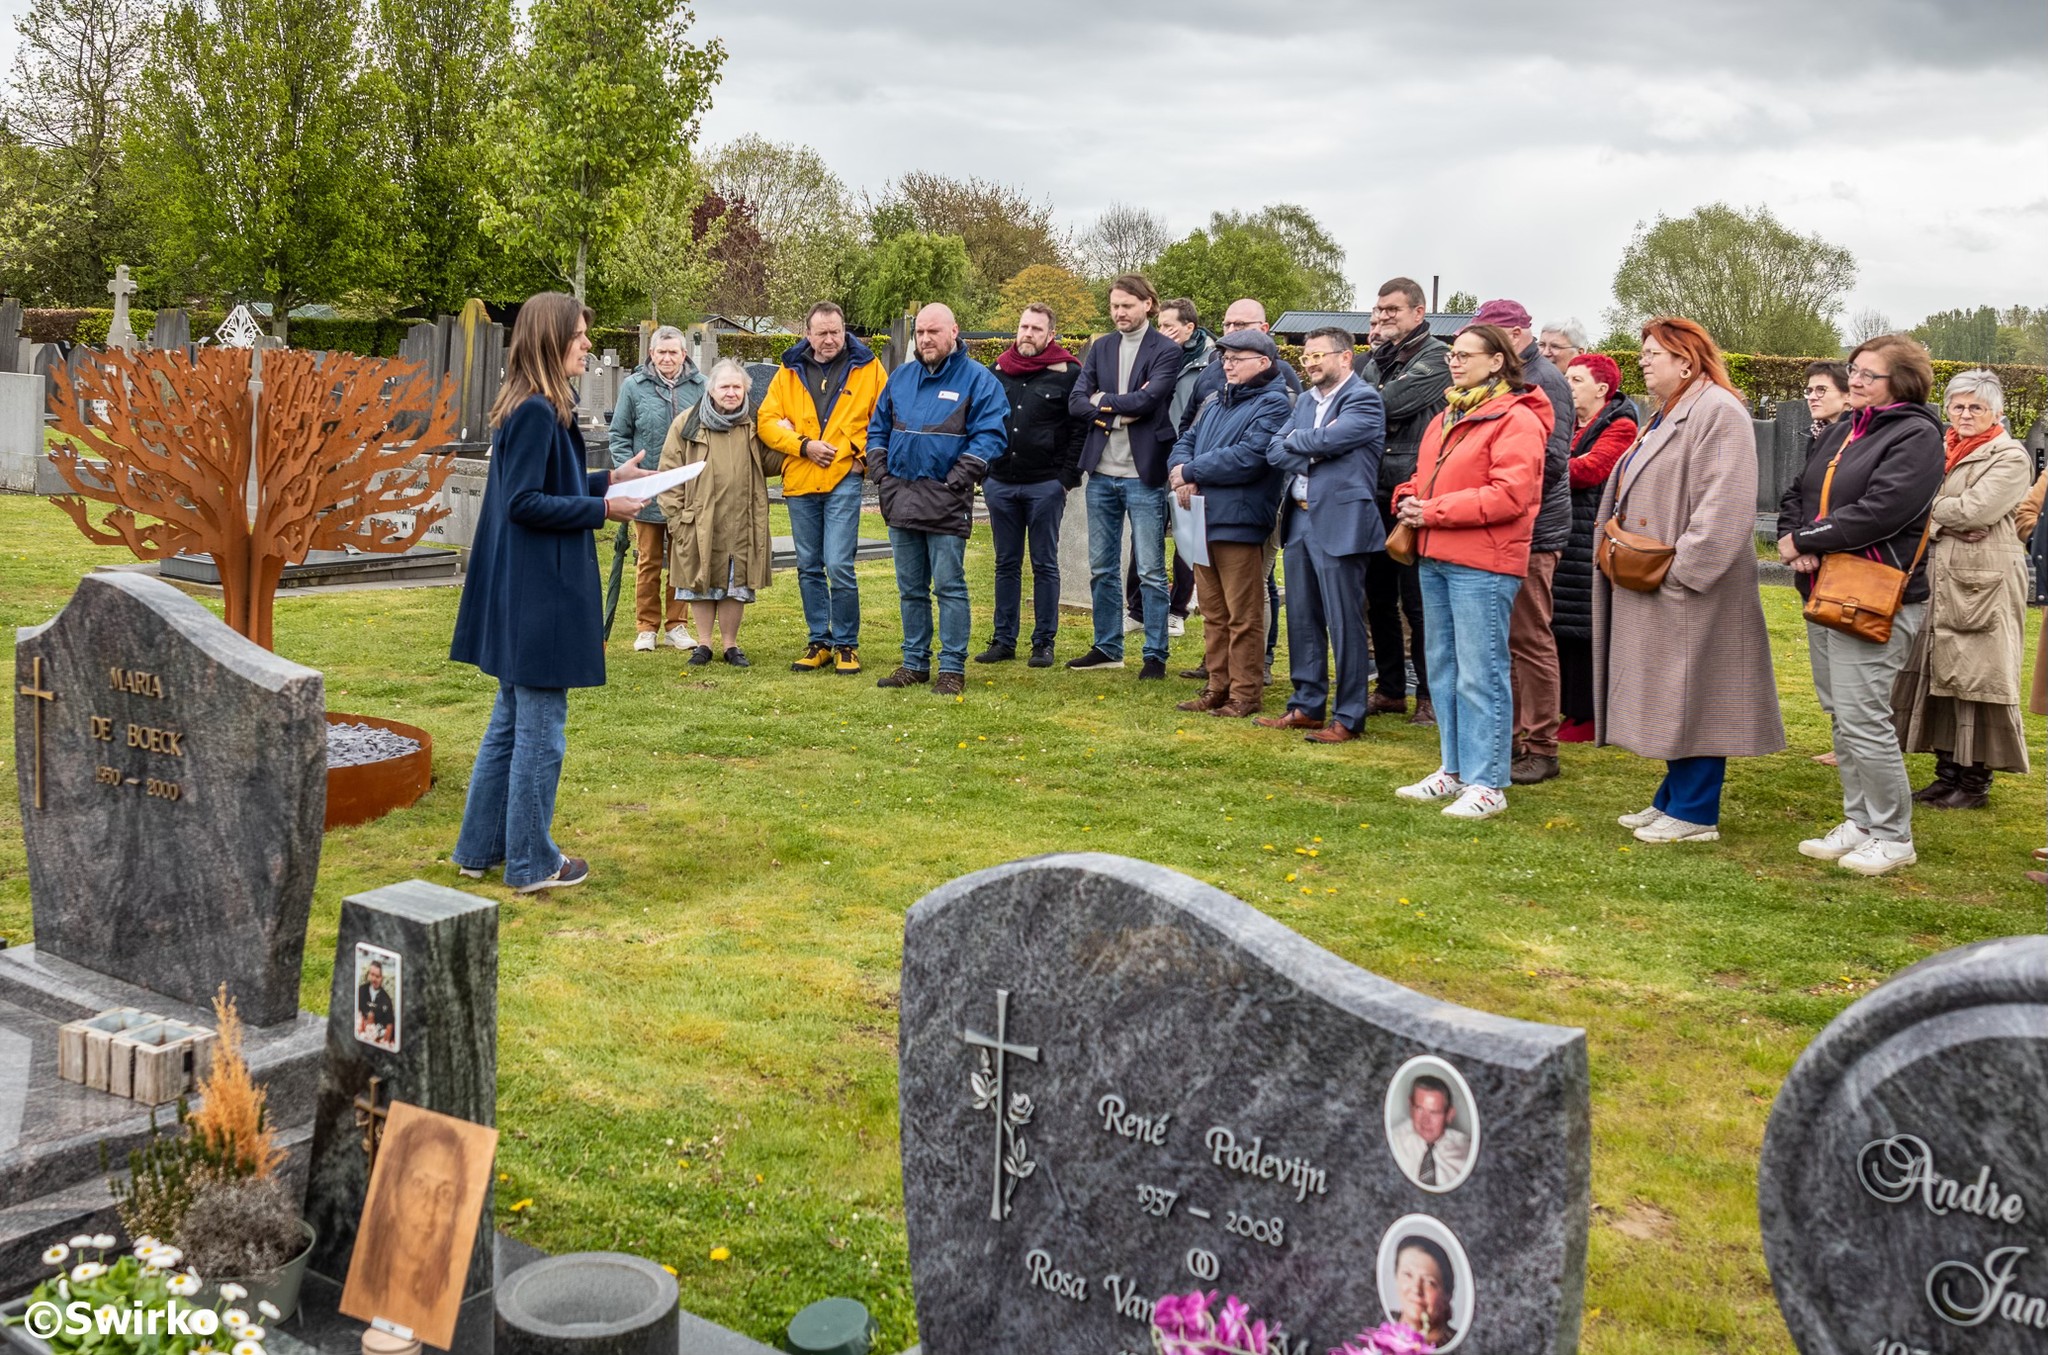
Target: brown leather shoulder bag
(1629, 559)
(1854, 594)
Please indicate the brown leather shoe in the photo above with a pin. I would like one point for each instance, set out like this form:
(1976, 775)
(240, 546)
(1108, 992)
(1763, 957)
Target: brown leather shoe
(949, 684)
(1236, 710)
(1377, 704)
(1293, 719)
(1332, 733)
(1197, 674)
(1425, 713)
(1207, 700)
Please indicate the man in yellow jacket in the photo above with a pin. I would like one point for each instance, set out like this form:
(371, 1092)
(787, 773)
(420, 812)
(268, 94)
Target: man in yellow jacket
(816, 415)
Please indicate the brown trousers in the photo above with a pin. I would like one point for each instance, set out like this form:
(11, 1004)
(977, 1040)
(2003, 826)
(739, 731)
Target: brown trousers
(1532, 661)
(653, 611)
(1232, 587)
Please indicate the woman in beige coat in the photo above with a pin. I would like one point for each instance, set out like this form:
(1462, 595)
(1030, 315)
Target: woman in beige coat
(719, 547)
(1959, 693)
(1684, 673)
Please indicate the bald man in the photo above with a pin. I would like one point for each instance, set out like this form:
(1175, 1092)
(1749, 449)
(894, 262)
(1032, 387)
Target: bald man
(939, 422)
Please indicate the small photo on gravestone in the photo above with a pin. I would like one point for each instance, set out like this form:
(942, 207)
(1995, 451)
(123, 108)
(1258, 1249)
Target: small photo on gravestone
(378, 996)
(1432, 1124)
(1426, 1281)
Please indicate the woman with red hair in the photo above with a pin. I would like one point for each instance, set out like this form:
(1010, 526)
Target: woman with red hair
(1605, 428)
(1682, 671)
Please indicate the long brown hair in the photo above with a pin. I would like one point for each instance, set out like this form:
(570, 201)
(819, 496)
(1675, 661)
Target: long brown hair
(1689, 340)
(533, 360)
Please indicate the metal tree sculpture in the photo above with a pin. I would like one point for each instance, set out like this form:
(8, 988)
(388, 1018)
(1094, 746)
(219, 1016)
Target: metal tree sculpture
(254, 458)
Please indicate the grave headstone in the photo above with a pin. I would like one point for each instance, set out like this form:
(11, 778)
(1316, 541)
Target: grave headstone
(119, 334)
(1117, 1082)
(476, 357)
(172, 332)
(173, 780)
(1904, 1185)
(12, 356)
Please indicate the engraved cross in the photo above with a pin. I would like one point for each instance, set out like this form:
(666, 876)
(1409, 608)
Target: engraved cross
(999, 1045)
(34, 688)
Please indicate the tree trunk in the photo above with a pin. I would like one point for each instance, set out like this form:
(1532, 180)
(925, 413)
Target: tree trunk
(280, 316)
(582, 258)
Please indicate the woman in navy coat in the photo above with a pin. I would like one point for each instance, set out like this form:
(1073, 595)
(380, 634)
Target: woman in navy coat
(530, 615)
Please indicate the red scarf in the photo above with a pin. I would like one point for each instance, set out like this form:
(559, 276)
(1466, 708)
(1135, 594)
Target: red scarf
(1014, 363)
(1958, 448)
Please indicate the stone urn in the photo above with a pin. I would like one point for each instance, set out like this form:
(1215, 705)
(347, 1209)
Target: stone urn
(588, 1303)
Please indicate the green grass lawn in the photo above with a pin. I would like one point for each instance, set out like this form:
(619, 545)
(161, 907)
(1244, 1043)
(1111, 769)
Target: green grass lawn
(697, 1049)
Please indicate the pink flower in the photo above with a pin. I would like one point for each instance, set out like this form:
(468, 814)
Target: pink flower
(1183, 1325)
(1389, 1338)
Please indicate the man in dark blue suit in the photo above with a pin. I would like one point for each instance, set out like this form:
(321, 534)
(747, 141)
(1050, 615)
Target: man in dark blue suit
(1329, 523)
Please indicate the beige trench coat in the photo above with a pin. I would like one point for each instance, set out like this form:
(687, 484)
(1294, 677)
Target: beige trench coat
(1686, 671)
(1976, 626)
(722, 515)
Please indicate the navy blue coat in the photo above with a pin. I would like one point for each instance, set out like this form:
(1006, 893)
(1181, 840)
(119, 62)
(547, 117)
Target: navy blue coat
(1224, 457)
(1342, 462)
(930, 440)
(530, 613)
(1148, 404)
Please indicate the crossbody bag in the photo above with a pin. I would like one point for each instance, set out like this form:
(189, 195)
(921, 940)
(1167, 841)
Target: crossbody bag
(1856, 595)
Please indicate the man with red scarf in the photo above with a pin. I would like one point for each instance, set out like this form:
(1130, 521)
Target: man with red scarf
(1026, 489)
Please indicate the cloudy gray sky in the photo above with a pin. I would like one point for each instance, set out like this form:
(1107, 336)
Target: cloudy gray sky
(1509, 147)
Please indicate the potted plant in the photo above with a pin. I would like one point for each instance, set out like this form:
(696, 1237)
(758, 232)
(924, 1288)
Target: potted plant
(121, 1296)
(215, 1191)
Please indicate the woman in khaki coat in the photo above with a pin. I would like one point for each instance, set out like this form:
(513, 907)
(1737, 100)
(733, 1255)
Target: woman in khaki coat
(1958, 696)
(719, 547)
(1684, 673)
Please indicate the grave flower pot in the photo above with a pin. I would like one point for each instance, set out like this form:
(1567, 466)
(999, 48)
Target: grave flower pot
(361, 791)
(279, 1287)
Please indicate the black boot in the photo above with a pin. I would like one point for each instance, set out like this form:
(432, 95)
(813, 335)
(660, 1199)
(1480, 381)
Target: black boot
(1946, 778)
(1973, 789)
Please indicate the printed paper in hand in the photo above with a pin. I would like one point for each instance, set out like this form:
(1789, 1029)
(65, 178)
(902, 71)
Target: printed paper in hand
(647, 486)
(1191, 529)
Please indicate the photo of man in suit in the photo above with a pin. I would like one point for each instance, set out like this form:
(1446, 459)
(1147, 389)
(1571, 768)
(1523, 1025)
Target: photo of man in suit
(1432, 1148)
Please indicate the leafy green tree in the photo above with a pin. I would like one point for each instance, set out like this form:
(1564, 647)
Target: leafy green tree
(1757, 285)
(1004, 231)
(1462, 303)
(913, 270)
(2015, 334)
(1320, 258)
(254, 151)
(1214, 269)
(803, 213)
(605, 93)
(662, 256)
(1073, 304)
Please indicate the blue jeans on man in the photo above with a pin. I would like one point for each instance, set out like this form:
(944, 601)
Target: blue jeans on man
(825, 528)
(930, 564)
(511, 801)
(1017, 515)
(1112, 499)
(1465, 625)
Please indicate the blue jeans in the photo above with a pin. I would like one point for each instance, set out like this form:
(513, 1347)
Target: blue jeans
(1465, 625)
(928, 564)
(1691, 789)
(825, 528)
(512, 786)
(1111, 499)
(1017, 514)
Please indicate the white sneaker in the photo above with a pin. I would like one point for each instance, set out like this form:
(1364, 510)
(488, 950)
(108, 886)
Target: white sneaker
(679, 637)
(1175, 625)
(1478, 802)
(643, 643)
(1843, 838)
(1877, 856)
(1668, 829)
(1642, 818)
(1132, 626)
(1438, 785)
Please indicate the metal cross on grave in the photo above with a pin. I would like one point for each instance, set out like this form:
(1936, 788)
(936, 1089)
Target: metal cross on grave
(370, 1117)
(1006, 1137)
(35, 690)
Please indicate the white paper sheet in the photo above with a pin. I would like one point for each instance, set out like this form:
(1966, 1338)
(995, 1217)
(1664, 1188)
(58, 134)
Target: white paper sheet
(647, 486)
(1191, 529)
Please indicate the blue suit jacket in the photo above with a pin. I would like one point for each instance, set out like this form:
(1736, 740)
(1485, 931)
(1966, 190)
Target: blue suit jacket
(1342, 462)
(530, 613)
(1148, 404)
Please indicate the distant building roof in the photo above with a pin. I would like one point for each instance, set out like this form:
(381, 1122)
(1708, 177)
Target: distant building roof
(1294, 324)
(744, 324)
(315, 311)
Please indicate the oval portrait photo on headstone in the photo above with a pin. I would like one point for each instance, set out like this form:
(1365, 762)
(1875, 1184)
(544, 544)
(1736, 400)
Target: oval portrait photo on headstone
(1432, 1124)
(1426, 1281)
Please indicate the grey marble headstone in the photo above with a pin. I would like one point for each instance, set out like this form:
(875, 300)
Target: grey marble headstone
(173, 782)
(172, 332)
(1118, 1083)
(447, 1055)
(11, 355)
(1904, 1184)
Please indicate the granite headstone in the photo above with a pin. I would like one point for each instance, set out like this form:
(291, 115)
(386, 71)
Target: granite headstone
(1904, 1184)
(1118, 1082)
(173, 780)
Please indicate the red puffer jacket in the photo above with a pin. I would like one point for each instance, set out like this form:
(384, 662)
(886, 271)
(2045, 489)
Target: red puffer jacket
(1480, 507)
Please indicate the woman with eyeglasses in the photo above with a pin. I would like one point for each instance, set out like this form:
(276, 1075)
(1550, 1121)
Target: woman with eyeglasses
(1879, 470)
(1472, 505)
(1959, 696)
(1682, 672)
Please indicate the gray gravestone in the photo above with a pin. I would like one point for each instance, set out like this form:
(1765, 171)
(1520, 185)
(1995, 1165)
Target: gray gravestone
(1904, 1183)
(1117, 1082)
(11, 354)
(445, 1056)
(172, 332)
(173, 782)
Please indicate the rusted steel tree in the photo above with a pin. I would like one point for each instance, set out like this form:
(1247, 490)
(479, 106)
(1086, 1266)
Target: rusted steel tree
(199, 457)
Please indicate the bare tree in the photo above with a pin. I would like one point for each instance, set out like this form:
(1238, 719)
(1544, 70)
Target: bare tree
(1122, 240)
(1868, 324)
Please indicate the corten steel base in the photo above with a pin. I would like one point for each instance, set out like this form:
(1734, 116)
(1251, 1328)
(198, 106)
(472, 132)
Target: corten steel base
(373, 789)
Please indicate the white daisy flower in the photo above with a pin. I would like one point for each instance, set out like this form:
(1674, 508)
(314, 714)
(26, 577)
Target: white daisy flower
(246, 1348)
(87, 1270)
(55, 1255)
(252, 1332)
(82, 1240)
(232, 1291)
(104, 1241)
(268, 1309)
(233, 1317)
(183, 1286)
(168, 1257)
(146, 1244)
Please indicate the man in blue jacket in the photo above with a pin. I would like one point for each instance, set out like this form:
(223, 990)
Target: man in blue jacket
(938, 424)
(1330, 526)
(1126, 393)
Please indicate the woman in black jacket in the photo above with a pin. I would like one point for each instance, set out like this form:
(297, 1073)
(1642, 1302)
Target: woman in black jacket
(1878, 470)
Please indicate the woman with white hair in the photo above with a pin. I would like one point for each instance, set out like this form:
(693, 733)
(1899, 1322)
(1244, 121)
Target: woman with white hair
(719, 549)
(1959, 693)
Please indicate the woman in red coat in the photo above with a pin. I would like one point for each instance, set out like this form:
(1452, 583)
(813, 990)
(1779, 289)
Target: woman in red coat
(1606, 428)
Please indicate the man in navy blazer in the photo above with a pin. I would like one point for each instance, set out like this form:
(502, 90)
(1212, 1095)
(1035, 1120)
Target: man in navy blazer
(1329, 523)
(1125, 391)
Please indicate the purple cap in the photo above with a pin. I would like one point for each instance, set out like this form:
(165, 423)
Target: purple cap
(1507, 314)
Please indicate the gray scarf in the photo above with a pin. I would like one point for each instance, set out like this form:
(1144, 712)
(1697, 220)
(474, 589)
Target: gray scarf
(708, 417)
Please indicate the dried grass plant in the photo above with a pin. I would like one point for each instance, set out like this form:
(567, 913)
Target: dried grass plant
(231, 1123)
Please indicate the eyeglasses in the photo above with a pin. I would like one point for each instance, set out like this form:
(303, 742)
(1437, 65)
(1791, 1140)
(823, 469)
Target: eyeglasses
(1456, 355)
(1317, 354)
(1387, 312)
(1821, 392)
(1865, 374)
(1232, 326)
(1239, 355)
(1649, 353)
